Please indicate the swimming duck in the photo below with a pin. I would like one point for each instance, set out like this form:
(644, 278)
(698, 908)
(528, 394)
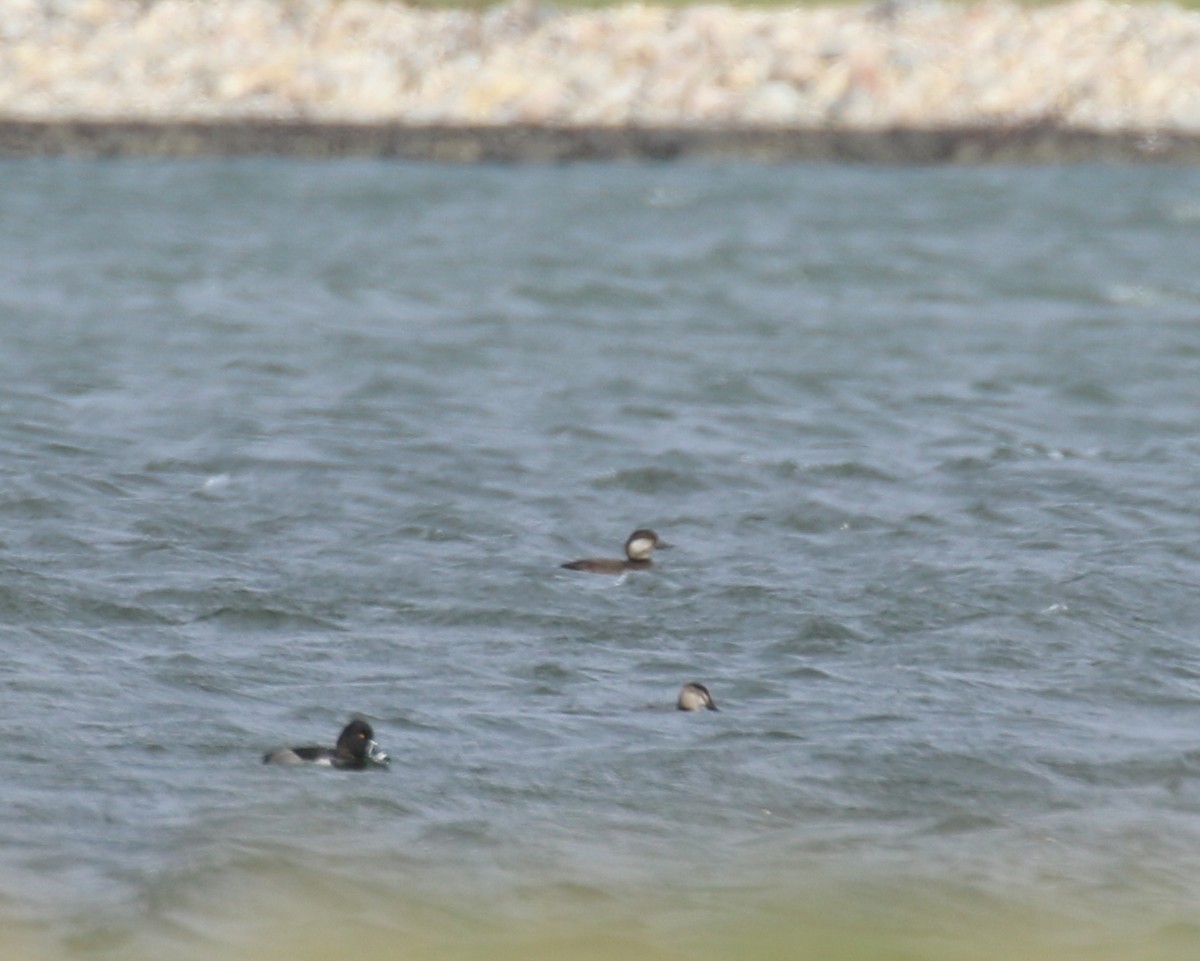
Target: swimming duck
(695, 697)
(638, 547)
(356, 749)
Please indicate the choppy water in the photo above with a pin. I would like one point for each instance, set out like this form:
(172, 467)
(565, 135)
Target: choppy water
(282, 442)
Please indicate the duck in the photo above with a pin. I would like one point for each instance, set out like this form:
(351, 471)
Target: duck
(356, 750)
(638, 548)
(695, 697)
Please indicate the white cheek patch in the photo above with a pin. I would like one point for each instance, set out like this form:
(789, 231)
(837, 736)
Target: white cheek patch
(641, 547)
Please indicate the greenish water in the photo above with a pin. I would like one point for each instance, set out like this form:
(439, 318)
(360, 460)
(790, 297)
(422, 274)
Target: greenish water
(283, 443)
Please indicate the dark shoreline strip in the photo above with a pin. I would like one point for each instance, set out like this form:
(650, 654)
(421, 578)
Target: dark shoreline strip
(1033, 144)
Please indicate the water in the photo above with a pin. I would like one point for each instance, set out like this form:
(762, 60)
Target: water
(282, 443)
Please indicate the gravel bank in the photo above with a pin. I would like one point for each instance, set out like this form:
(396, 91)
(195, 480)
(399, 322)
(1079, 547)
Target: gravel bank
(183, 76)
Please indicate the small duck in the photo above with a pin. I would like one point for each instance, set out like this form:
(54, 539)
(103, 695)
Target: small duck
(638, 547)
(356, 749)
(695, 697)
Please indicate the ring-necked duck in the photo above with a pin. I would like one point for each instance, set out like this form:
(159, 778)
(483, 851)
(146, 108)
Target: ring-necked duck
(695, 697)
(356, 749)
(638, 547)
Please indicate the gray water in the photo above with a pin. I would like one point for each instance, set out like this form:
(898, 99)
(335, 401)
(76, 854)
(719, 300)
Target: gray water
(286, 443)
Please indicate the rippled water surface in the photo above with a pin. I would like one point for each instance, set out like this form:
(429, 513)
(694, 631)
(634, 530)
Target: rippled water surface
(283, 443)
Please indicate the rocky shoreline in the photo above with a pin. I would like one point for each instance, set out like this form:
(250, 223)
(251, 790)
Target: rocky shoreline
(523, 143)
(895, 80)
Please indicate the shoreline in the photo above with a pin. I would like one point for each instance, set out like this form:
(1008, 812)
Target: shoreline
(528, 143)
(901, 81)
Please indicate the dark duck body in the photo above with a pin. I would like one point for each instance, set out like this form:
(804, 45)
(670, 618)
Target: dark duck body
(638, 548)
(355, 750)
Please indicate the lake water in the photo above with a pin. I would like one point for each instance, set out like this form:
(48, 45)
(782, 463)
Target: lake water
(283, 443)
